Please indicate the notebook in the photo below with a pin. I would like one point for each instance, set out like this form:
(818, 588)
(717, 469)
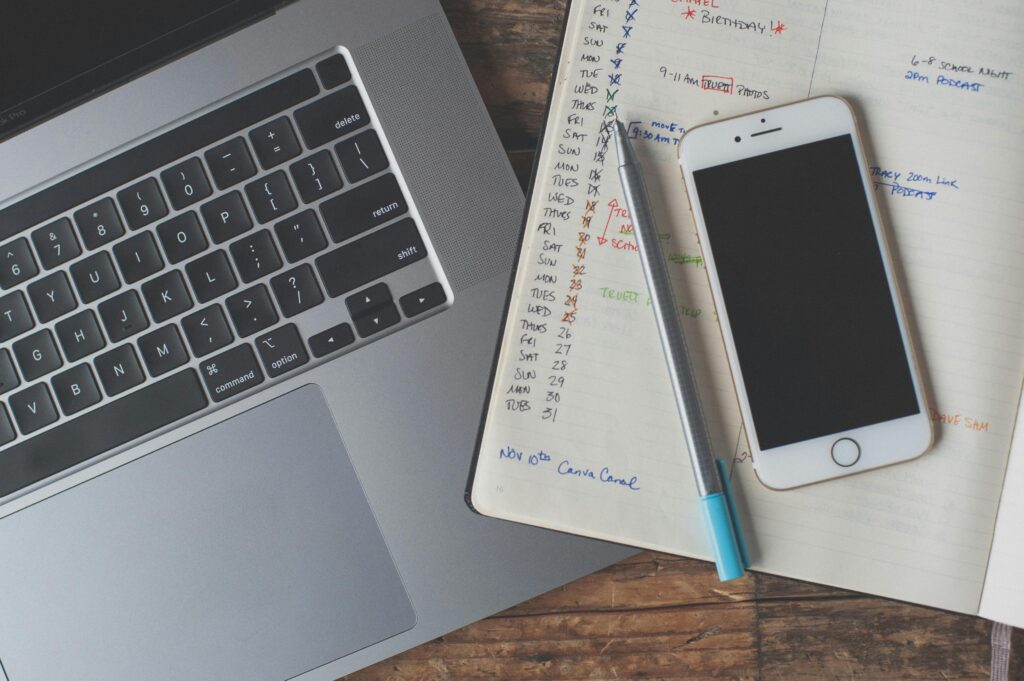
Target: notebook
(581, 433)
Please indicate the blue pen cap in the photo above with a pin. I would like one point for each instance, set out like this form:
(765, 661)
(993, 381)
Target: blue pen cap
(722, 535)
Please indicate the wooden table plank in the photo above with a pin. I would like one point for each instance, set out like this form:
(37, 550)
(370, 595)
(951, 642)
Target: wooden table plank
(657, 616)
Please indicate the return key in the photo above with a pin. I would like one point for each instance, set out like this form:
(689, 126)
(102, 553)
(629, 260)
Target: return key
(363, 208)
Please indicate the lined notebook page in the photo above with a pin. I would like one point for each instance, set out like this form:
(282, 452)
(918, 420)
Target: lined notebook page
(582, 433)
(1003, 597)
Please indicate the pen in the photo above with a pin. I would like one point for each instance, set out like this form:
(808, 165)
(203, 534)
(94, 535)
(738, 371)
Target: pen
(716, 502)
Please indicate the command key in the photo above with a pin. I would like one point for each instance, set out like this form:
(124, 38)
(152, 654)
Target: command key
(231, 372)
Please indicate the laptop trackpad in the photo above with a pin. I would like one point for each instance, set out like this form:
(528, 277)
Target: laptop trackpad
(246, 551)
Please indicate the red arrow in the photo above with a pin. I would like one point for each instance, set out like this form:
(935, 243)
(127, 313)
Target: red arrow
(601, 240)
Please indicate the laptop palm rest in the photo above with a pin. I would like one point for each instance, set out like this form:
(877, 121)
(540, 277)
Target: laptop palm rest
(247, 550)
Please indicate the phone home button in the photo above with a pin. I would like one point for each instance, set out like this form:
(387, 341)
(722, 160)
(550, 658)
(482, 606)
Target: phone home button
(845, 452)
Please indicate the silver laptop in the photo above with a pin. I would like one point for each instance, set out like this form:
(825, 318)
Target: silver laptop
(253, 258)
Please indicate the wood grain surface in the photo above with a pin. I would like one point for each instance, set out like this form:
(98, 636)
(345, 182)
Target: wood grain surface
(657, 616)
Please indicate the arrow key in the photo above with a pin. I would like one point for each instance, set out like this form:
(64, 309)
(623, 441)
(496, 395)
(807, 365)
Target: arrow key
(421, 300)
(368, 299)
(334, 338)
(378, 320)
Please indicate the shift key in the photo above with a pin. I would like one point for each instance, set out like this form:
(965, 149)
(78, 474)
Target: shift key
(371, 257)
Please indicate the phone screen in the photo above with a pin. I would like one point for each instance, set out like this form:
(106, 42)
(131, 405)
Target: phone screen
(805, 291)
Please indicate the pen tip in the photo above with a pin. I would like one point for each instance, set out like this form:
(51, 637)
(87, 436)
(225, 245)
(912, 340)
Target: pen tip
(622, 144)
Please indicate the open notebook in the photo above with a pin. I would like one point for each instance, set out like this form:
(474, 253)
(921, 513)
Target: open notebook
(581, 432)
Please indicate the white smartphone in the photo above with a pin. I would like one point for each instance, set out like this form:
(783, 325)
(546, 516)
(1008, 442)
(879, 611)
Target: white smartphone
(804, 289)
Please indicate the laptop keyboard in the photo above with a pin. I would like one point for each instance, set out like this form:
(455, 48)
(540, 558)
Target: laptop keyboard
(261, 237)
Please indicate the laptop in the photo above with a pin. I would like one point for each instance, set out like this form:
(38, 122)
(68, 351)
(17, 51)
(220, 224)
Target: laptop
(253, 258)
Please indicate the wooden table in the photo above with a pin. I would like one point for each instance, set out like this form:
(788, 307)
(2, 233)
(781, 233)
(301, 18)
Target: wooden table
(655, 615)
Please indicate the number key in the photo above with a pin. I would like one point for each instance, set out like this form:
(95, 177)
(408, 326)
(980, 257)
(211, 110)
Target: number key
(186, 183)
(16, 263)
(56, 243)
(98, 224)
(296, 290)
(142, 203)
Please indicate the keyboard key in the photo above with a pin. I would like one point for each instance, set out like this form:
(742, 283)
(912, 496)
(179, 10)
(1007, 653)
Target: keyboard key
(33, 409)
(296, 290)
(206, 330)
(271, 197)
(80, 335)
(182, 237)
(230, 163)
(368, 300)
(334, 338)
(255, 256)
(210, 276)
(281, 350)
(226, 217)
(123, 316)
(315, 176)
(166, 296)
(158, 151)
(186, 183)
(300, 236)
(76, 389)
(51, 296)
(363, 208)
(104, 428)
(421, 300)
(142, 203)
(56, 243)
(6, 427)
(8, 376)
(333, 71)
(371, 257)
(162, 350)
(94, 277)
(329, 118)
(98, 224)
(16, 263)
(15, 318)
(378, 320)
(251, 310)
(119, 369)
(274, 142)
(231, 372)
(138, 257)
(37, 355)
(361, 156)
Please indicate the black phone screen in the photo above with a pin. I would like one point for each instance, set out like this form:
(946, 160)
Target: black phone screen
(805, 291)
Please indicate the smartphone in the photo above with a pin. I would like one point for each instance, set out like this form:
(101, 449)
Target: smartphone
(803, 285)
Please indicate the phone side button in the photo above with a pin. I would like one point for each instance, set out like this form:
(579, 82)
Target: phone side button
(845, 452)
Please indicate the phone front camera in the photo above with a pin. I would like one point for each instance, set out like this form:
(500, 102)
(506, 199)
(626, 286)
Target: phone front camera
(737, 138)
